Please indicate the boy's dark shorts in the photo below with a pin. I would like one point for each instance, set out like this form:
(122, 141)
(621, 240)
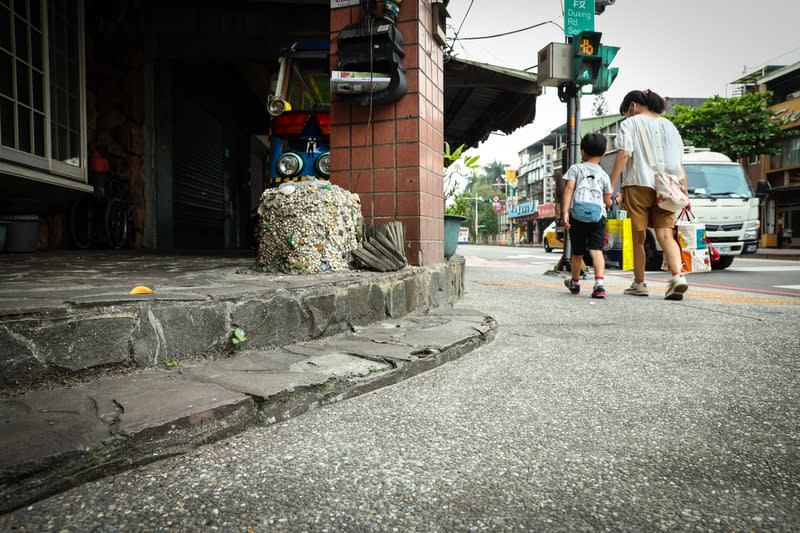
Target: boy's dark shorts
(587, 235)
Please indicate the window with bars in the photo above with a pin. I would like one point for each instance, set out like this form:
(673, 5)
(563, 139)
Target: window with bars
(41, 77)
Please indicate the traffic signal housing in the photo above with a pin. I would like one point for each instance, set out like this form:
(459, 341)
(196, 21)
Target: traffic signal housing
(606, 76)
(586, 58)
(591, 60)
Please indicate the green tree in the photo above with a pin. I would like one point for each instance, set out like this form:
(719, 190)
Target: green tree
(737, 127)
(464, 205)
(473, 180)
(486, 191)
(599, 105)
(458, 166)
(461, 205)
(487, 219)
(494, 172)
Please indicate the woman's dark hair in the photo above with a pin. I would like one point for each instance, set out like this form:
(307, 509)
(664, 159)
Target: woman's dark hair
(648, 98)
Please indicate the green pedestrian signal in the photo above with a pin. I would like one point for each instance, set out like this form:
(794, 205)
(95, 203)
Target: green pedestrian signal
(586, 59)
(591, 60)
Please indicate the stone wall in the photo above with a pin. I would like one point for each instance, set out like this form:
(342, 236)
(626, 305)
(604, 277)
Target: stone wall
(124, 332)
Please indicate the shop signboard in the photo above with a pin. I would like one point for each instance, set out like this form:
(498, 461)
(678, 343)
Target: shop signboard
(787, 113)
(546, 211)
(524, 209)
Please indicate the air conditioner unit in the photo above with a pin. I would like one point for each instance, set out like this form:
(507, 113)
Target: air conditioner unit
(555, 65)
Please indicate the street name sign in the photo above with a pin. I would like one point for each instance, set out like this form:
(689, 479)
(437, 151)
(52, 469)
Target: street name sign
(578, 16)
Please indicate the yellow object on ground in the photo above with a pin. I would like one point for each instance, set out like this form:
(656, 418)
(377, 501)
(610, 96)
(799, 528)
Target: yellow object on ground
(141, 289)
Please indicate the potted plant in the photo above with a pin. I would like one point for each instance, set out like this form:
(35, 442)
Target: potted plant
(457, 165)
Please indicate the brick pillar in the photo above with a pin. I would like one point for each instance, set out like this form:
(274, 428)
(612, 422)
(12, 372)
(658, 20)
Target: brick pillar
(392, 155)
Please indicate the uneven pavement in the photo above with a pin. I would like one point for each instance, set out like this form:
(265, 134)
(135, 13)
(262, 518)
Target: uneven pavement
(379, 329)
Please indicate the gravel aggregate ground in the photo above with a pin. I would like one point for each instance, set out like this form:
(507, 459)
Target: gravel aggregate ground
(582, 415)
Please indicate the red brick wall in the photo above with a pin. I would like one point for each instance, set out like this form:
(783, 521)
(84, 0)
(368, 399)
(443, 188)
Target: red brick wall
(392, 158)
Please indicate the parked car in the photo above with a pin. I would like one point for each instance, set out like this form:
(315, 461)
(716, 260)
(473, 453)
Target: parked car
(553, 237)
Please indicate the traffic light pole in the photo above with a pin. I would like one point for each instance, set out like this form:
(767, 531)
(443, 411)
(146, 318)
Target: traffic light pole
(575, 132)
(590, 62)
(573, 157)
(476, 198)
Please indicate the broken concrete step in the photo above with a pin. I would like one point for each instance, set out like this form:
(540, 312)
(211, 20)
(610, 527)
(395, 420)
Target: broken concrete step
(54, 440)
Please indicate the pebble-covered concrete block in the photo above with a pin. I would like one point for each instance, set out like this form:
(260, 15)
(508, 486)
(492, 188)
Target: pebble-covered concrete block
(308, 226)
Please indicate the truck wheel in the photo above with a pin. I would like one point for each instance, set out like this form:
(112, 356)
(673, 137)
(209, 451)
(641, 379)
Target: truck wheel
(722, 263)
(547, 247)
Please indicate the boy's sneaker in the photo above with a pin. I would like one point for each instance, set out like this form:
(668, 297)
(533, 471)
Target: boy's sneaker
(675, 288)
(599, 292)
(574, 288)
(637, 289)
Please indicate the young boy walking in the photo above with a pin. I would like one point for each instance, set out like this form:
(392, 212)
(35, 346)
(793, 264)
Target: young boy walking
(586, 195)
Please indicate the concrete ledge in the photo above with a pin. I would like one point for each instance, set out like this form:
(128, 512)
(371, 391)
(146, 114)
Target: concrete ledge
(108, 327)
(54, 440)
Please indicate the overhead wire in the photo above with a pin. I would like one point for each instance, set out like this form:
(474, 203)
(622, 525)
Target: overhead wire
(455, 37)
(511, 32)
(451, 47)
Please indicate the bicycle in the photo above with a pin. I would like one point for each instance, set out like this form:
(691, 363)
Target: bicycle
(107, 208)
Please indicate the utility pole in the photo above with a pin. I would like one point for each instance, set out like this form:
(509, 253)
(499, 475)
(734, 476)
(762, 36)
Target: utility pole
(476, 198)
(581, 61)
(569, 93)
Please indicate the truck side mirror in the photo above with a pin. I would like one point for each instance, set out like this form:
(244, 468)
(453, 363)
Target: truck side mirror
(763, 188)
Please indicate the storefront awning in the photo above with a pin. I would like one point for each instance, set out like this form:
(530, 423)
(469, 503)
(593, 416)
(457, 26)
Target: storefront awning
(480, 98)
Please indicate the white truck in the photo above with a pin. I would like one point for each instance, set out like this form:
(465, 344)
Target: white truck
(721, 198)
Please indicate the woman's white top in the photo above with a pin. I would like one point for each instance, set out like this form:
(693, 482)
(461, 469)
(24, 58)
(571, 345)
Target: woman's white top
(665, 142)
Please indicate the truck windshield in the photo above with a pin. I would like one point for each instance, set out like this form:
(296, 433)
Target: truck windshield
(717, 181)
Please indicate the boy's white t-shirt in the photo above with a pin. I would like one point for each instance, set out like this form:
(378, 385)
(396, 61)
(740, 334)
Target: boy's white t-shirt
(665, 142)
(581, 170)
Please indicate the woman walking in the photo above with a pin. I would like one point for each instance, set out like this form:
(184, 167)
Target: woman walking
(643, 109)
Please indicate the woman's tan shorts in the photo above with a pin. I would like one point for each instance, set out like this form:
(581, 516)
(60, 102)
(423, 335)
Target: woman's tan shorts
(643, 210)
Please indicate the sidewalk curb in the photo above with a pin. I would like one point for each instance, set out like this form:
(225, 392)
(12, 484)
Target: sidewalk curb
(55, 440)
(48, 331)
(776, 256)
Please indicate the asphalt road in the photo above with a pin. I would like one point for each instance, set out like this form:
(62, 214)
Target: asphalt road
(630, 414)
(749, 274)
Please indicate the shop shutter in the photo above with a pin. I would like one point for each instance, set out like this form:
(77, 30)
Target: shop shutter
(199, 180)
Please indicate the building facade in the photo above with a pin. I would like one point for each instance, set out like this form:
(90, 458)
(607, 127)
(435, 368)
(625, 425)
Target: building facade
(540, 165)
(781, 172)
(174, 95)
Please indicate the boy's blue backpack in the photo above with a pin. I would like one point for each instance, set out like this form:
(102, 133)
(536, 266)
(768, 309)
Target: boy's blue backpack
(587, 203)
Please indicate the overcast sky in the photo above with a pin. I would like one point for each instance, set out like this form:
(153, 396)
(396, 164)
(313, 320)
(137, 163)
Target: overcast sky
(678, 48)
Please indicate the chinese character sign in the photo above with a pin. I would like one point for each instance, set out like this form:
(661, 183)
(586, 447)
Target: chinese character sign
(578, 16)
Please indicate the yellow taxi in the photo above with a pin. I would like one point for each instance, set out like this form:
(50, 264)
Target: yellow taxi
(553, 237)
